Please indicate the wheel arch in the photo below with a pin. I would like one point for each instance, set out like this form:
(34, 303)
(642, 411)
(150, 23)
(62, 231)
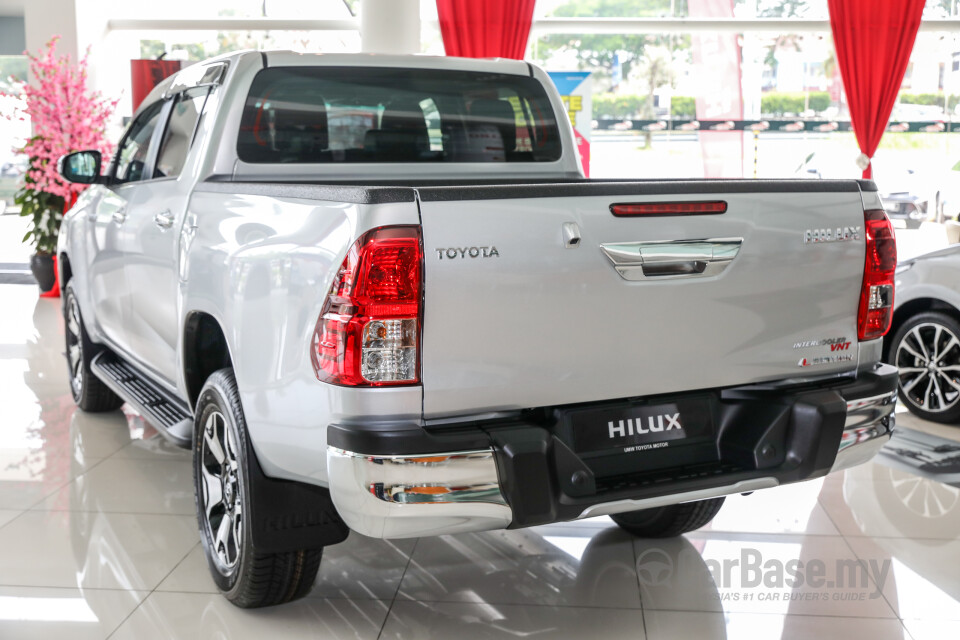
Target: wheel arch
(66, 275)
(911, 308)
(64, 270)
(205, 350)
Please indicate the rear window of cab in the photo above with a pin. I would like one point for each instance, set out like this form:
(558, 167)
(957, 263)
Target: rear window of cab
(321, 115)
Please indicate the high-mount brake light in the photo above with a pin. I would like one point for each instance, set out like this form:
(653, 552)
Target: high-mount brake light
(668, 208)
(880, 263)
(368, 332)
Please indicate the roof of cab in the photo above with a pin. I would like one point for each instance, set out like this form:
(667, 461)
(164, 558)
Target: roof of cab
(488, 65)
(284, 58)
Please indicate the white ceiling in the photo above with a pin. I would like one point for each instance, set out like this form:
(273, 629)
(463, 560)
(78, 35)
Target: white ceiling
(12, 7)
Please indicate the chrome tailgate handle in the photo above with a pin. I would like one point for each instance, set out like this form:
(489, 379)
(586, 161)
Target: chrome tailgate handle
(651, 253)
(672, 258)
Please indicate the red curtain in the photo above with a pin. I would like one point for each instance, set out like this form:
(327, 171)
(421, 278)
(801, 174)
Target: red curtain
(873, 41)
(485, 28)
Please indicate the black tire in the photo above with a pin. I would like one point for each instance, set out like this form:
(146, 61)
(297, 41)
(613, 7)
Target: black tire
(247, 577)
(927, 389)
(669, 521)
(89, 391)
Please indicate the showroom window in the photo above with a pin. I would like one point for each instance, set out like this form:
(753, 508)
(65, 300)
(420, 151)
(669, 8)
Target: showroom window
(179, 136)
(132, 155)
(338, 115)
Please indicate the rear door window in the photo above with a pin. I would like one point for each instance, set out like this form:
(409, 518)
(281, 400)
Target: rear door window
(359, 115)
(179, 134)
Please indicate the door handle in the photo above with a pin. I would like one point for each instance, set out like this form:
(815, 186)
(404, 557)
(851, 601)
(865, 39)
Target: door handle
(120, 215)
(672, 258)
(164, 219)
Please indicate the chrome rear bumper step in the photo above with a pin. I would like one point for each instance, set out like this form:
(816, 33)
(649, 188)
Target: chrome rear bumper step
(170, 416)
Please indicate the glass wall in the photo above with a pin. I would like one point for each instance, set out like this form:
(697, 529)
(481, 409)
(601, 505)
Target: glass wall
(193, 46)
(199, 45)
(14, 130)
(298, 9)
(649, 92)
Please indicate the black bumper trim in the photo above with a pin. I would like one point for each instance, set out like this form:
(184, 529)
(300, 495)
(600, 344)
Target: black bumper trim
(407, 439)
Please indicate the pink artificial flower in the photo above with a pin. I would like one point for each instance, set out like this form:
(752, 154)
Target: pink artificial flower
(66, 116)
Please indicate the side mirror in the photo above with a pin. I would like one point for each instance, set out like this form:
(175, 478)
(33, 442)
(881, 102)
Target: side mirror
(82, 167)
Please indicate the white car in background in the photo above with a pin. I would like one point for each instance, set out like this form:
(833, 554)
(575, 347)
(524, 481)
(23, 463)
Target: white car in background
(924, 338)
(948, 194)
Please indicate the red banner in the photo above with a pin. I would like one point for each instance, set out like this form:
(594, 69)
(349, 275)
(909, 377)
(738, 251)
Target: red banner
(146, 74)
(488, 29)
(716, 61)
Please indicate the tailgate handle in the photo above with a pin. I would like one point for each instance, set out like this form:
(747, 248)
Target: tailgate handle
(672, 258)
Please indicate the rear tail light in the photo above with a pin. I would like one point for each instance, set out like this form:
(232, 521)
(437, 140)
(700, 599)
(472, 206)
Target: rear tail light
(368, 333)
(876, 293)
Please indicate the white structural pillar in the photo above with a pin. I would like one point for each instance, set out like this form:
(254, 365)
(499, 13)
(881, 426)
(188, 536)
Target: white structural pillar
(390, 26)
(43, 19)
(82, 27)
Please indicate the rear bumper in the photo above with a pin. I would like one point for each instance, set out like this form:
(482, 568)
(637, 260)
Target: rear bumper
(412, 496)
(869, 425)
(408, 482)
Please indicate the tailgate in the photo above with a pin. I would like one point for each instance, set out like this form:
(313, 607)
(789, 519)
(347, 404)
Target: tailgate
(644, 305)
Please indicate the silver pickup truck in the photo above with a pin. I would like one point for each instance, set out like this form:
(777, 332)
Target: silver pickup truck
(376, 293)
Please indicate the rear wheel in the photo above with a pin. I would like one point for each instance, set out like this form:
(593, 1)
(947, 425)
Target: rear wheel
(926, 350)
(669, 521)
(89, 392)
(222, 483)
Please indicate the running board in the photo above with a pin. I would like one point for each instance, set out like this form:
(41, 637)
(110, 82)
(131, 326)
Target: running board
(169, 415)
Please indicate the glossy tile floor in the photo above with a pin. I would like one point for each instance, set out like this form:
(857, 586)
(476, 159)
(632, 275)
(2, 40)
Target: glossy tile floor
(98, 539)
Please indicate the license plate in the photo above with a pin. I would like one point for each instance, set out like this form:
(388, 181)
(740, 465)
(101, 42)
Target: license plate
(640, 427)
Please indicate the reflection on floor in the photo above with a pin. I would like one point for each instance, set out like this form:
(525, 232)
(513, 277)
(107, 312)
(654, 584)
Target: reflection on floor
(98, 539)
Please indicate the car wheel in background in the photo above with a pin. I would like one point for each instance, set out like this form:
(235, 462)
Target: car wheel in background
(222, 482)
(926, 350)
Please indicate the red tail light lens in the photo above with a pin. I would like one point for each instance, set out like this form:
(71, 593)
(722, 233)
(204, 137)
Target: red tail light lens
(368, 333)
(876, 293)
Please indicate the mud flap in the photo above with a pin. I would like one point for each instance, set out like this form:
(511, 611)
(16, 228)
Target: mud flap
(291, 516)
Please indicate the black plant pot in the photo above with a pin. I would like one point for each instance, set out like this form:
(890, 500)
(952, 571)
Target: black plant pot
(43, 271)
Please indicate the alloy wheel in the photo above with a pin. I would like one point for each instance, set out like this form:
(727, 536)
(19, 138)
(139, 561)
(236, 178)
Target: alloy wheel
(928, 358)
(221, 496)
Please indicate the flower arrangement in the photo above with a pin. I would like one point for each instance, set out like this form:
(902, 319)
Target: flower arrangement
(66, 117)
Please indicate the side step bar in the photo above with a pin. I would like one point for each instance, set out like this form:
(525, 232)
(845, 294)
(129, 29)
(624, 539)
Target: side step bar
(172, 418)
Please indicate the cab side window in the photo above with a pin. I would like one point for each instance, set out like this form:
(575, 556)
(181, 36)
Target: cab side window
(132, 154)
(179, 135)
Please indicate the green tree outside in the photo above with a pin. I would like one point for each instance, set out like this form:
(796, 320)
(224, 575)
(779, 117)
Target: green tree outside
(596, 51)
